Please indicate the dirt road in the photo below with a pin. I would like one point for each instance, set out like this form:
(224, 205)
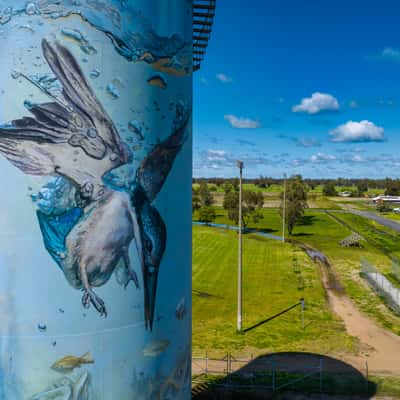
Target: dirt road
(380, 348)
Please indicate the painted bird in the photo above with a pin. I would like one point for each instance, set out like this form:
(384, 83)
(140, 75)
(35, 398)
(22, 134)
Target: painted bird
(74, 138)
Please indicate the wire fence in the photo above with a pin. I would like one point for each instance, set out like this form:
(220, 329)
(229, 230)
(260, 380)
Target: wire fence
(269, 373)
(302, 372)
(382, 285)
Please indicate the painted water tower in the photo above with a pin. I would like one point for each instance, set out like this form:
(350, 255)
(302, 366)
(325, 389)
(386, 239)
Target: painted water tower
(95, 210)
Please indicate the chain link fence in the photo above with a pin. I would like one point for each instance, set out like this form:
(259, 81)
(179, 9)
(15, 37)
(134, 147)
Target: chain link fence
(381, 284)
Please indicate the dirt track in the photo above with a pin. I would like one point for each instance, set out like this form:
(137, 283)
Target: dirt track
(380, 348)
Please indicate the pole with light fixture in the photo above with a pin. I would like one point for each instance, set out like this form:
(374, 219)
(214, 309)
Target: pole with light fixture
(240, 254)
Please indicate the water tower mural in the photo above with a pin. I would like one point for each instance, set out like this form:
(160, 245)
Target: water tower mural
(95, 165)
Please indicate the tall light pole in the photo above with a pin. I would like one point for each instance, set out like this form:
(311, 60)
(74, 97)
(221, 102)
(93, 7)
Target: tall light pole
(284, 209)
(240, 254)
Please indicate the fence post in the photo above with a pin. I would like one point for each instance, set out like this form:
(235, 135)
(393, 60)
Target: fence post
(206, 363)
(321, 361)
(227, 363)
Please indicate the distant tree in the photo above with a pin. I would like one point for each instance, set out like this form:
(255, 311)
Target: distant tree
(212, 188)
(231, 205)
(227, 187)
(392, 187)
(296, 201)
(252, 204)
(329, 189)
(362, 186)
(207, 214)
(235, 184)
(206, 198)
(196, 202)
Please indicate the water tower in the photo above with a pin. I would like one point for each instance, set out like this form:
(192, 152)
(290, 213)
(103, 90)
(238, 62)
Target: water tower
(95, 212)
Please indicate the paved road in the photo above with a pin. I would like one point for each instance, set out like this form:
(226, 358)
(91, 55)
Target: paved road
(381, 220)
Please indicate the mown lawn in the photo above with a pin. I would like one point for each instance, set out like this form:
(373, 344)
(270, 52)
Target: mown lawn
(276, 276)
(323, 232)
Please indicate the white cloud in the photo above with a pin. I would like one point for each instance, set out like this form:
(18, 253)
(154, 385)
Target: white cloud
(316, 103)
(358, 159)
(353, 132)
(213, 155)
(322, 157)
(224, 78)
(242, 123)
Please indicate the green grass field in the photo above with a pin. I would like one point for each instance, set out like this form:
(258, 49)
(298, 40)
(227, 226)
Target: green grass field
(324, 232)
(276, 276)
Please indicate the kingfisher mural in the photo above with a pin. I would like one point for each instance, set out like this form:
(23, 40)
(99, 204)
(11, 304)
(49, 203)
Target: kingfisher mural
(74, 139)
(96, 168)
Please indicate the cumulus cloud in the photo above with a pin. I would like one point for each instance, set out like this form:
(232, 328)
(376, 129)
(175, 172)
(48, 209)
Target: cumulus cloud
(242, 123)
(221, 159)
(322, 157)
(358, 132)
(317, 103)
(224, 78)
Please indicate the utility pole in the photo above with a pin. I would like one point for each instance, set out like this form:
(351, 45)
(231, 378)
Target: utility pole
(284, 209)
(240, 254)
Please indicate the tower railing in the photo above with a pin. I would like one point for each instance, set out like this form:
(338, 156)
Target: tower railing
(203, 18)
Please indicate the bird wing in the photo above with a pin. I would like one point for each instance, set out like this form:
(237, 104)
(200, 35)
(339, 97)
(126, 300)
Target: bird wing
(78, 141)
(155, 168)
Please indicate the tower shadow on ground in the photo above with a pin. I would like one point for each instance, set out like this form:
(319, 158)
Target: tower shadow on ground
(297, 376)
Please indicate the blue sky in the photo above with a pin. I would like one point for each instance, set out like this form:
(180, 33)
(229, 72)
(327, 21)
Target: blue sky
(309, 87)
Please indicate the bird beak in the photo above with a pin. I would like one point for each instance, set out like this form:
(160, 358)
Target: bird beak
(150, 277)
(149, 269)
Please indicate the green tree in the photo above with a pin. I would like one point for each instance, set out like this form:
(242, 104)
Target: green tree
(227, 187)
(296, 201)
(207, 214)
(329, 189)
(206, 198)
(196, 203)
(392, 187)
(252, 204)
(362, 186)
(235, 184)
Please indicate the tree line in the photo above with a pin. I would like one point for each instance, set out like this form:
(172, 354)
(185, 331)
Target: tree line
(252, 203)
(362, 184)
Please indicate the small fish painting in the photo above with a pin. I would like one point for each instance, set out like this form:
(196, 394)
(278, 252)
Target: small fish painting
(158, 80)
(155, 349)
(69, 363)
